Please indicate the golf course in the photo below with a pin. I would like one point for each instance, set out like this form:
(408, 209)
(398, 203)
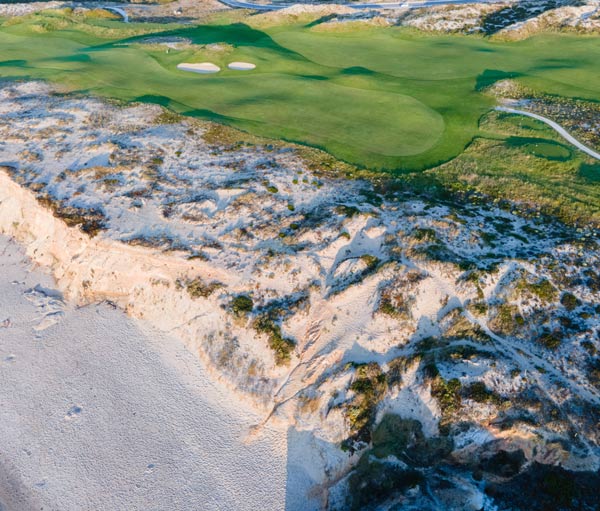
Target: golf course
(380, 97)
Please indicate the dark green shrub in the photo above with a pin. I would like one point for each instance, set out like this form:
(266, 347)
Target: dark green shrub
(550, 340)
(569, 301)
(242, 305)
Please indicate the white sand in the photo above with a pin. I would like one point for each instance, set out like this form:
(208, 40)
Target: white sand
(241, 66)
(100, 412)
(202, 68)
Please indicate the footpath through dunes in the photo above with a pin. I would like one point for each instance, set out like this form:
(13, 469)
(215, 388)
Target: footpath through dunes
(101, 412)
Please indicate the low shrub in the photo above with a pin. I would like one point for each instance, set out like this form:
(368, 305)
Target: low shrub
(197, 288)
(242, 305)
(282, 346)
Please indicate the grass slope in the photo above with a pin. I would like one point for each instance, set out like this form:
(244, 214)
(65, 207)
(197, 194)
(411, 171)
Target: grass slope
(384, 98)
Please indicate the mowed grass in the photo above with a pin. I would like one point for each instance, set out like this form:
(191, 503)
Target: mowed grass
(382, 98)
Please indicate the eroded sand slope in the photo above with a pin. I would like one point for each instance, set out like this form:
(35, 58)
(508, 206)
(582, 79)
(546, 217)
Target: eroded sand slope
(101, 412)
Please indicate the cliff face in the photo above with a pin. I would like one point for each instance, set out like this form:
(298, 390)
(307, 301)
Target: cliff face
(139, 280)
(382, 323)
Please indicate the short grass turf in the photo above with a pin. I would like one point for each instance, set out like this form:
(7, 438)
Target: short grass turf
(382, 98)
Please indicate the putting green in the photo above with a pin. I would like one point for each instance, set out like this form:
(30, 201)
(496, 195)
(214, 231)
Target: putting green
(385, 98)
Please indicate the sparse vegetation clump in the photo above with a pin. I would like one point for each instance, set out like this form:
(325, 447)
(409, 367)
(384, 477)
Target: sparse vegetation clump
(425, 234)
(90, 221)
(242, 305)
(395, 370)
(394, 304)
(543, 290)
(368, 385)
(347, 211)
(551, 340)
(478, 391)
(569, 301)
(197, 288)
(371, 261)
(168, 117)
(507, 319)
(281, 346)
(446, 392)
(462, 328)
(271, 188)
(165, 242)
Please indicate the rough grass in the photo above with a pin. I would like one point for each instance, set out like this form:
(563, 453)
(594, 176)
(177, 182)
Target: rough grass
(564, 187)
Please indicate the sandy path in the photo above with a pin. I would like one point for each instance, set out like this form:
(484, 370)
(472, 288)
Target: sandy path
(99, 412)
(120, 12)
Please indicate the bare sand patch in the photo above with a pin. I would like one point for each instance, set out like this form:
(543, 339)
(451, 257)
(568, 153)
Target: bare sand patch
(202, 68)
(241, 66)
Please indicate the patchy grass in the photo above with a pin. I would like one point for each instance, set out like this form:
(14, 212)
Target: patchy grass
(555, 184)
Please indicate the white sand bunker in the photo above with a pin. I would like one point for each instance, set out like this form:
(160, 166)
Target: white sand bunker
(241, 66)
(203, 68)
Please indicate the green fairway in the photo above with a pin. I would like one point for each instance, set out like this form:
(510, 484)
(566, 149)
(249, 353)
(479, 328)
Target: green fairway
(384, 98)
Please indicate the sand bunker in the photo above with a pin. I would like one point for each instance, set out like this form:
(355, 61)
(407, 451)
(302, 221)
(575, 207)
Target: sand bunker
(203, 68)
(241, 66)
